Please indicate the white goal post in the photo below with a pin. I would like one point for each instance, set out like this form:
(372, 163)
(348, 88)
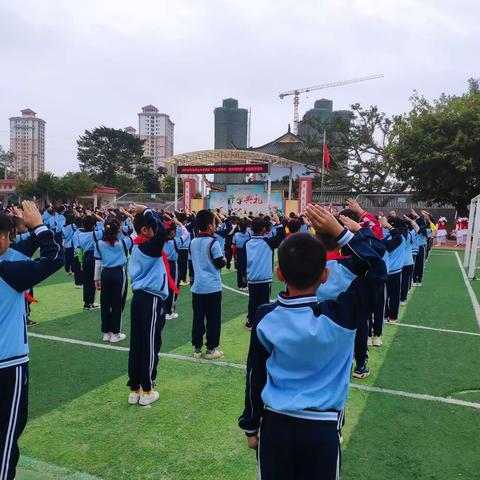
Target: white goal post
(473, 237)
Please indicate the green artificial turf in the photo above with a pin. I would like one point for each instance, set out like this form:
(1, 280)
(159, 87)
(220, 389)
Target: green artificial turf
(81, 425)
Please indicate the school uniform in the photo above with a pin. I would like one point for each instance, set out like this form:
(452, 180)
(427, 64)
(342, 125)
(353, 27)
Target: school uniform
(57, 222)
(77, 267)
(408, 263)
(171, 248)
(343, 271)
(68, 231)
(207, 258)
(182, 261)
(17, 274)
(394, 278)
(85, 251)
(298, 372)
(259, 251)
(110, 269)
(239, 240)
(422, 248)
(228, 244)
(150, 290)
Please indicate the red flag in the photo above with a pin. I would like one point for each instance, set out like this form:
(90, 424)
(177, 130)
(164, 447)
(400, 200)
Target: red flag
(326, 156)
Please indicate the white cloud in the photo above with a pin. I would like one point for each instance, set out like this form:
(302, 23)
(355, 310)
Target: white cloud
(82, 64)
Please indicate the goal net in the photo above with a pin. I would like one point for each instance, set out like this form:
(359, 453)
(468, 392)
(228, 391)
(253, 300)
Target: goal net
(471, 258)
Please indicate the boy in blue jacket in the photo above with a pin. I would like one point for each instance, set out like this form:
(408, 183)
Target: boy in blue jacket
(259, 259)
(300, 355)
(150, 291)
(208, 260)
(17, 274)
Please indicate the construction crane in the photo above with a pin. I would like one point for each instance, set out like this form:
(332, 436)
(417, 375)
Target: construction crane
(298, 91)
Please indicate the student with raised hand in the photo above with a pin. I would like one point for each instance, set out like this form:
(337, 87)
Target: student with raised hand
(18, 273)
(85, 240)
(68, 231)
(150, 290)
(259, 256)
(111, 255)
(208, 260)
(300, 355)
(238, 246)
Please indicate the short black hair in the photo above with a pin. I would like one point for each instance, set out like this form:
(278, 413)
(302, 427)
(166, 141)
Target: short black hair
(258, 224)
(139, 221)
(6, 223)
(204, 219)
(294, 225)
(89, 223)
(302, 259)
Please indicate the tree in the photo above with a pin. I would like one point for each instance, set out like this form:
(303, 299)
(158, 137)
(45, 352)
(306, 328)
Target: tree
(6, 159)
(47, 187)
(168, 184)
(107, 154)
(360, 149)
(438, 148)
(147, 177)
(74, 184)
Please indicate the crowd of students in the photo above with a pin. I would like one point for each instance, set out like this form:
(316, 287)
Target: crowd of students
(345, 275)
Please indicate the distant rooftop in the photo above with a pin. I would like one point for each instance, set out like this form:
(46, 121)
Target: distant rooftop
(28, 112)
(150, 109)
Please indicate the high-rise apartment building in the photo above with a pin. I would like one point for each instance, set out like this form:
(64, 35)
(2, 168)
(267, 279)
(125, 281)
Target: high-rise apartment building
(157, 131)
(27, 144)
(231, 125)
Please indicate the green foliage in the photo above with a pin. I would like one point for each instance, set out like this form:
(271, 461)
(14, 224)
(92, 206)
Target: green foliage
(360, 150)
(168, 184)
(148, 179)
(107, 154)
(438, 148)
(74, 184)
(6, 159)
(47, 186)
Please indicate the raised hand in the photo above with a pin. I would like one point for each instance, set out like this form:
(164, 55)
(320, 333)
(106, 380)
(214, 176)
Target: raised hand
(31, 214)
(323, 221)
(352, 225)
(353, 205)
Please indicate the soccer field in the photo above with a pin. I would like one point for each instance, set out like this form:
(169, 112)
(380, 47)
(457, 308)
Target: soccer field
(417, 416)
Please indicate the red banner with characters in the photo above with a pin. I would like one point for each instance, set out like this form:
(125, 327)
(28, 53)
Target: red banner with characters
(189, 190)
(304, 192)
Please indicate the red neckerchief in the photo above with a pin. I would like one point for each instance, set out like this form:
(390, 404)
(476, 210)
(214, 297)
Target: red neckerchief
(337, 255)
(139, 239)
(29, 298)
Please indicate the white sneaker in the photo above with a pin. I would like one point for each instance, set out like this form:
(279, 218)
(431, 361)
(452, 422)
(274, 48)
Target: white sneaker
(414, 284)
(403, 303)
(134, 397)
(419, 285)
(170, 316)
(117, 337)
(197, 354)
(148, 398)
(369, 341)
(106, 337)
(78, 286)
(94, 306)
(213, 354)
(377, 341)
(175, 315)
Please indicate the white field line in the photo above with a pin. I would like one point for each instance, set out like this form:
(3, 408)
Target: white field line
(473, 297)
(422, 327)
(399, 393)
(234, 290)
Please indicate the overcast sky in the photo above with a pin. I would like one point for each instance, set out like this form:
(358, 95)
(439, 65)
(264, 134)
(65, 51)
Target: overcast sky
(84, 63)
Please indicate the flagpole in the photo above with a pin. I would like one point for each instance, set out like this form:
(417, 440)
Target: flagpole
(323, 165)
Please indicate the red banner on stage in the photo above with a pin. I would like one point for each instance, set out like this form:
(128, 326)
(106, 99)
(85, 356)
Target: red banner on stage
(206, 169)
(304, 192)
(189, 190)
